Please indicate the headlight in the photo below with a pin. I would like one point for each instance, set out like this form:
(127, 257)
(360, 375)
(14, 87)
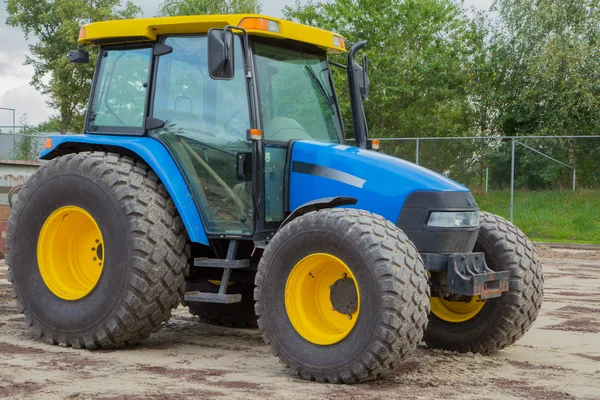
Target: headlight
(458, 219)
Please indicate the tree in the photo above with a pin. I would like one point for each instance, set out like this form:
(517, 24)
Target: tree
(552, 57)
(547, 53)
(420, 55)
(199, 7)
(418, 51)
(53, 27)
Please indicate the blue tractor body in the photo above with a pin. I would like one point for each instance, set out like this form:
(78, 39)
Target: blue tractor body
(153, 153)
(379, 183)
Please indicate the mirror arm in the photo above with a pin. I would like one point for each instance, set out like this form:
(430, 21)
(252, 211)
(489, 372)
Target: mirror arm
(335, 64)
(358, 112)
(247, 68)
(245, 39)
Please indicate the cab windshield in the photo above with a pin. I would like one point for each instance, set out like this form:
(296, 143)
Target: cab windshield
(296, 95)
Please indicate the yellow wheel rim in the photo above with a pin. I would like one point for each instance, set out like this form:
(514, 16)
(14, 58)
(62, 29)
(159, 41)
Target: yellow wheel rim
(456, 311)
(218, 283)
(70, 253)
(308, 299)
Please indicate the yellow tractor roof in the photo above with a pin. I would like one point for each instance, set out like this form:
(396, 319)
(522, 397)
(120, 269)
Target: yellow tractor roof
(147, 29)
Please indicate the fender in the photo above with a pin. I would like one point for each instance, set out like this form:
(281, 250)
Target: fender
(153, 153)
(319, 204)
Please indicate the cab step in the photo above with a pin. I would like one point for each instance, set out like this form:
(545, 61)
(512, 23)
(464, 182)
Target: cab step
(213, 297)
(220, 263)
(227, 264)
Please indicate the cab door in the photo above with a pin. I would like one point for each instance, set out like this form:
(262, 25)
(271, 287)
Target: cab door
(205, 122)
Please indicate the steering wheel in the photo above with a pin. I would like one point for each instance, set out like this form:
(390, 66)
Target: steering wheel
(233, 118)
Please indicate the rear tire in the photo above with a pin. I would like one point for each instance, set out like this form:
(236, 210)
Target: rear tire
(144, 252)
(391, 289)
(236, 315)
(505, 319)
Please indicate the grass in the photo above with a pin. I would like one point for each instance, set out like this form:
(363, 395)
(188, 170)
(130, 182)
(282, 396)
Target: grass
(551, 216)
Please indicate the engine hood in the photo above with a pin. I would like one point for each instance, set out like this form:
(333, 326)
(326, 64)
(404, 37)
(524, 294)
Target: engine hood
(379, 182)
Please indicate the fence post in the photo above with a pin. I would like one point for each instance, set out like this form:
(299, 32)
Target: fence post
(512, 177)
(574, 178)
(486, 179)
(417, 153)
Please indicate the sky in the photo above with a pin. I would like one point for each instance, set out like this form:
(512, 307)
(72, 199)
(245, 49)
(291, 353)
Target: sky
(15, 91)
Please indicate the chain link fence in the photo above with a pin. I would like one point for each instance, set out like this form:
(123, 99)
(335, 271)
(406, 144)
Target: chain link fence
(548, 185)
(22, 145)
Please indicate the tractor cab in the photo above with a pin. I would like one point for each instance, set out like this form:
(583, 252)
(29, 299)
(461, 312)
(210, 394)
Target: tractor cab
(227, 102)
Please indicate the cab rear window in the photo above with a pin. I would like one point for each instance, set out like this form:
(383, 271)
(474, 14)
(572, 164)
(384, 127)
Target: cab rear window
(120, 92)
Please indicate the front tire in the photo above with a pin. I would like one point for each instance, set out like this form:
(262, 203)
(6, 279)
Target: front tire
(111, 251)
(342, 296)
(484, 327)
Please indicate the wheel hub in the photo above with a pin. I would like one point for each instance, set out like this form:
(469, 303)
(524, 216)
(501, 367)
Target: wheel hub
(343, 296)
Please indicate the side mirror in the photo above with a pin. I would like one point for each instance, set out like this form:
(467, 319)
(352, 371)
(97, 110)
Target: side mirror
(220, 54)
(79, 56)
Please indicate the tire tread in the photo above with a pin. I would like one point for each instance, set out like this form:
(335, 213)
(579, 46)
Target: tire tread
(159, 264)
(400, 329)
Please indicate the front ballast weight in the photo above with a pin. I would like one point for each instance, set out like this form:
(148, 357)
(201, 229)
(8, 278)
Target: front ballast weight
(467, 275)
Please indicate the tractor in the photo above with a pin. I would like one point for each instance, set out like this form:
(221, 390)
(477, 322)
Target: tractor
(214, 172)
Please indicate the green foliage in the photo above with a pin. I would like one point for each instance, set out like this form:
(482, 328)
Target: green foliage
(551, 53)
(53, 26)
(419, 53)
(199, 7)
(561, 216)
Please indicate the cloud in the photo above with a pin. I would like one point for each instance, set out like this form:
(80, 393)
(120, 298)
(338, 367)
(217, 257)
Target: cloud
(25, 100)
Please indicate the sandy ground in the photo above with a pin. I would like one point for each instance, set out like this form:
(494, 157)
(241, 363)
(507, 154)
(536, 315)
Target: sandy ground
(558, 359)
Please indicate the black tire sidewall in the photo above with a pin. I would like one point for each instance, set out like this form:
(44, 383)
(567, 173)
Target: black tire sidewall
(294, 248)
(70, 188)
(482, 332)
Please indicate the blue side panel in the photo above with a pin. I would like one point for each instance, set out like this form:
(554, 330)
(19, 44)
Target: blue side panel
(158, 158)
(380, 183)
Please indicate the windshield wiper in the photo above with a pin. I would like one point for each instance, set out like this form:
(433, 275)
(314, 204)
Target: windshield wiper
(330, 101)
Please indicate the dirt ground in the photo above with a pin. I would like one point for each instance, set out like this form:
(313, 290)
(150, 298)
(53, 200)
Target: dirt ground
(558, 359)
